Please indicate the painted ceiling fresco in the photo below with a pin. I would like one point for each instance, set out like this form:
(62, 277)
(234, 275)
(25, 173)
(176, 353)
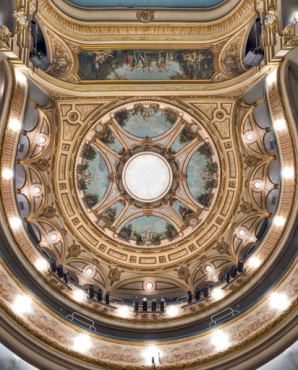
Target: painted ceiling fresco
(165, 64)
(128, 131)
(148, 3)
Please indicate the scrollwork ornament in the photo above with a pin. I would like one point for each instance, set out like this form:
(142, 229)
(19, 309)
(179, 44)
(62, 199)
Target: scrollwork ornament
(145, 16)
(4, 37)
(271, 18)
(21, 19)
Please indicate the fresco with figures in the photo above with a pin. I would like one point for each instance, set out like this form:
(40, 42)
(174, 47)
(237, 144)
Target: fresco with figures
(95, 65)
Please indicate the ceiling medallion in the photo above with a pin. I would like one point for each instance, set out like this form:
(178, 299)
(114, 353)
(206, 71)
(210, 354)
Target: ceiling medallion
(147, 174)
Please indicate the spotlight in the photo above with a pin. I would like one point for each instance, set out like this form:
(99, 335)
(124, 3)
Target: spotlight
(79, 295)
(144, 304)
(15, 222)
(108, 297)
(66, 276)
(53, 265)
(227, 276)
(41, 264)
(233, 271)
(136, 304)
(172, 311)
(240, 265)
(60, 271)
(198, 294)
(123, 311)
(162, 304)
(217, 293)
(287, 172)
(206, 290)
(82, 343)
(189, 297)
(153, 306)
(99, 295)
(7, 174)
(91, 291)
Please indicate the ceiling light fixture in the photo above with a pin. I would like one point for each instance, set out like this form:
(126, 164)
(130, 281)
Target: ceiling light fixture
(287, 172)
(7, 174)
(279, 301)
(152, 355)
(220, 340)
(257, 185)
(37, 190)
(123, 311)
(41, 264)
(217, 293)
(15, 222)
(82, 343)
(242, 232)
(172, 311)
(279, 221)
(271, 78)
(279, 124)
(42, 139)
(149, 286)
(15, 125)
(89, 271)
(22, 304)
(78, 295)
(54, 237)
(208, 268)
(254, 262)
(249, 137)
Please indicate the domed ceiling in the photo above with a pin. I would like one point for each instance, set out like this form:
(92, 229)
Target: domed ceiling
(148, 161)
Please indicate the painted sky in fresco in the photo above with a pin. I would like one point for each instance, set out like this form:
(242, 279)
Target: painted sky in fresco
(148, 3)
(157, 224)
(195, 168)
(154, 126)
(145, 64)
(100, 172)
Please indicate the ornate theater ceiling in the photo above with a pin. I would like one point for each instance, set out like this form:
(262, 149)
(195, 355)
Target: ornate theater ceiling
(158, 161)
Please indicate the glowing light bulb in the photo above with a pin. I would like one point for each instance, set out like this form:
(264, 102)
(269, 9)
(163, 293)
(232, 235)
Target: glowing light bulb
(287, 172)
(271, 78)
(242, 232)
(279, 124)
(149, 286)
(42, 139)
(220, 340)
(254, 262)
(89, 271)
(279, 301)
(217, 293)
(279, 221)
(82, 343)
(78, 295)
(41, 264)
(54, 237)
(249, 137)
(7, 174)
(123, 311)
(22, 304)
(37, 190)
(14, 125)
(257, 185)
(15, 222)
(208, 268)
(152, 352)
(172, 311)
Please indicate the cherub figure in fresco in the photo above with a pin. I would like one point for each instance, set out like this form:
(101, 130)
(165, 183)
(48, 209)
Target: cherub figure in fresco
(88, 177)
(150, 65)
(160, 62)
(129, 61)
(144, 61)
(101, 56)
(138, 66)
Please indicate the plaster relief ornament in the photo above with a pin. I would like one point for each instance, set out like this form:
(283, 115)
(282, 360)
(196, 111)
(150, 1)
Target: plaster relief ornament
(4, 37)
(145, 16)
(148, 191)
(21, 19)
(271, 18)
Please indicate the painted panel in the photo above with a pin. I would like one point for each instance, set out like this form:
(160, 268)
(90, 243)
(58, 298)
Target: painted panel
(149, 230)
(147, 64)
(147, 3)
(146, 120)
